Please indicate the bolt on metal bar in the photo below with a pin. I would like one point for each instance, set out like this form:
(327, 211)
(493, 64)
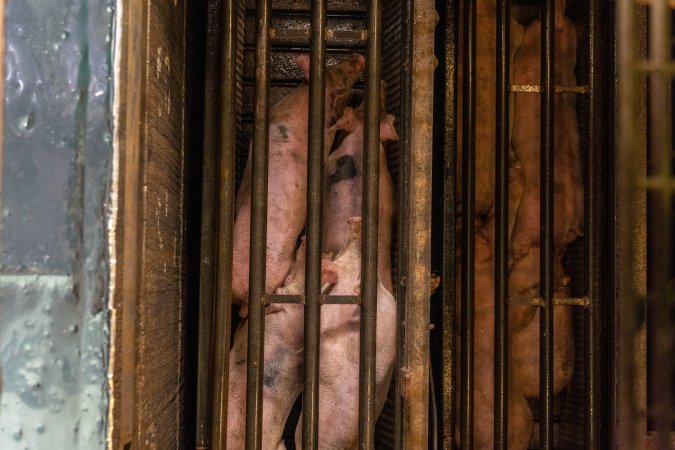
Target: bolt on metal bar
(449, 227)
(468, 227)
(225, 221)
(661, 296)
(209, 215)
(501, 293)
(546, 228)
(312, 321)
(369, 230)
(258, 235)
(592, 219)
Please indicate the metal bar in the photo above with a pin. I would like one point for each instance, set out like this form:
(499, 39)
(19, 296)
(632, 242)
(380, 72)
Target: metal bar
(501, 354)
(546, 228)
(449, 227)
(209, 206)
(416, 387)
(401, 287)
(592, 219)
(630, 423)
(559, 89)
(468, 227)
(660, 272)
(335, 36)
(539, 301)
(258, 235)
(312, 322)
(369, 230)
(225, 222)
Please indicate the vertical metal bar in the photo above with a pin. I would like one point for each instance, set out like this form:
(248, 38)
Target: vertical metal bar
(627, 427)
(592, 206)
(404, 202)
(502, 226)
(416, 417)
(369, 229)
(468, 227)
(660, 273)
(449, 227)
(312, 323)
(256, 325)
(546, 228)
(207, 258)
(226, 175)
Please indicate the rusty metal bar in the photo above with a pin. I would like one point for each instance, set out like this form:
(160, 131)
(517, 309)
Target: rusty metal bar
(401, 288)
(258, 235)
(546, 228)
(468, 227)
(416, 387)
(630, 423)
(225, 217)
(592, 219)
(312, 322)
(660, 304)
(209, 215)
(501, 354)
(371, 148)
(536, 89)
(449, 227)
(539, 301)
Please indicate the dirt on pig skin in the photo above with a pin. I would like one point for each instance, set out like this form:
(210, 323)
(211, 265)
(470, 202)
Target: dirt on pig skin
(287, 176)
(339, 369)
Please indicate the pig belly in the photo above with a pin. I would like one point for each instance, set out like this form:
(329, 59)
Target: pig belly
(282, 377)
(339, 371)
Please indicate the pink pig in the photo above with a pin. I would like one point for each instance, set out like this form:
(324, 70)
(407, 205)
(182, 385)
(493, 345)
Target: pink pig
(343, 187)
(287, 176)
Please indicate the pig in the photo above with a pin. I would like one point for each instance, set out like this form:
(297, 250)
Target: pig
(339, 349)
(282, 359)
(486, 79)
(568, 188)
(287, 176)
(282, 372)
(343, 188)
(523, 364)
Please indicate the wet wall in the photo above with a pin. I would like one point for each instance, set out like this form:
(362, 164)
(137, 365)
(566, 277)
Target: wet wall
(55, 175)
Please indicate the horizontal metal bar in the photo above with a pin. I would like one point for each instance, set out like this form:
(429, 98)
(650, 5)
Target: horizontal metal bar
(340, 300)
(647, 65)
(306, 33)
(323, 299)
(538, 301)
(536, 89)
(279, 298)
(661, 183)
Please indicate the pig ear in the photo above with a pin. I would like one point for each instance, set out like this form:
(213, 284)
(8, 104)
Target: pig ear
(329, 272)
(303, 62)
(387, 129)
(346, 121)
